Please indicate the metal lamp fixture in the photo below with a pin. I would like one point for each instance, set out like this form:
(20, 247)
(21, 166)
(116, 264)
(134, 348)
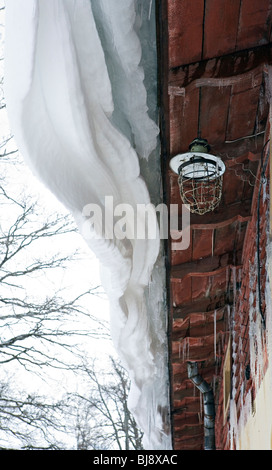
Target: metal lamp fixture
(200, 177)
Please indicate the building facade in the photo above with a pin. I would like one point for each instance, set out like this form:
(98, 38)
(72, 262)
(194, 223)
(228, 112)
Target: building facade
(215, 68)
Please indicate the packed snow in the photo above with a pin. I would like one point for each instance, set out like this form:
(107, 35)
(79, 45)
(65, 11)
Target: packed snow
(77, 105)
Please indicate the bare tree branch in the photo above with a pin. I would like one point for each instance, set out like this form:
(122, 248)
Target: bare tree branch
(38, 332)
(104, 420)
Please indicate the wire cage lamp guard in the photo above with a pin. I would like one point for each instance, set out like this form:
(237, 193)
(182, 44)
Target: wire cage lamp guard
(200, 177)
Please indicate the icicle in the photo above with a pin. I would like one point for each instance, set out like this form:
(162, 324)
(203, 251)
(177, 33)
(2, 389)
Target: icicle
(201, 407)
(150, 9)
(233, 424)
(229, 317)
(264, 190)
(227, 279)
(234, 283)
(194, 390)
(212, 241)
(185, 352)
(214, 382)
(214, 334)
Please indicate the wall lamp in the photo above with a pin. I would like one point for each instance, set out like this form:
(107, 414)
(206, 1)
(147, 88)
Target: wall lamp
(200, 177)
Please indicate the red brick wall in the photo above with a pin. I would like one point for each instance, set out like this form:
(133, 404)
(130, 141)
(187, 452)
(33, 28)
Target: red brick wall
(246, 323)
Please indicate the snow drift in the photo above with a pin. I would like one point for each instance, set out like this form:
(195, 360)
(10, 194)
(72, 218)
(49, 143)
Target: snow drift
(76, 102)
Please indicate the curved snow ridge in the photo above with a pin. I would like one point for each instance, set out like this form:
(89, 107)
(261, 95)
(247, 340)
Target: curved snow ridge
(123, 54)
(61, 114)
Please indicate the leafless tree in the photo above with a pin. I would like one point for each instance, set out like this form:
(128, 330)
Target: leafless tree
(29, 421)
(32, 325)
(104, 420)
(41, 329)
